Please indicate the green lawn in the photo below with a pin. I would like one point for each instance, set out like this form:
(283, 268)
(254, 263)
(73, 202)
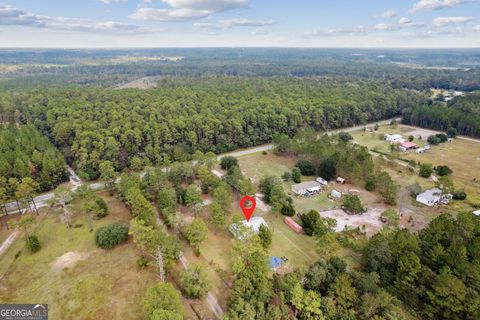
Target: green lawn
(258, 165)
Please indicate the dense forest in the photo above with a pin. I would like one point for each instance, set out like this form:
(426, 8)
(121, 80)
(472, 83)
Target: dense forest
(25, 152)
(462, 113)
(414, 69)
(184, 115)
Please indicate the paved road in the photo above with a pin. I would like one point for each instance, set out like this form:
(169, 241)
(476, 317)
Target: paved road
(42, 200)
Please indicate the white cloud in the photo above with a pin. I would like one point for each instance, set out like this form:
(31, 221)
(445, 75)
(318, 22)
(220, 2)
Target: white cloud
(262, 32)
(476, 28)
(389, 14)
(168, 14)
(383, 27)
(445, 21)
(335, 32)
(207, 5)
(404, 21)
(17, 17)
(183, 10)
(428, 5)
(113, 1)
(230, 23)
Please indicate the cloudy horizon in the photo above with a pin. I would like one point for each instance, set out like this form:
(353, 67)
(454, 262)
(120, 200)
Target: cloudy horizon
(239, 23)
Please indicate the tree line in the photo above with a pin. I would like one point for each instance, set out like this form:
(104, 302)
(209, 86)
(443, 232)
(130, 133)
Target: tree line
(158, 126)
(25, 152)
(461, 113)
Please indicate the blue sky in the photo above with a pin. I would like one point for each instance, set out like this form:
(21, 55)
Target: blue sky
(226, 23)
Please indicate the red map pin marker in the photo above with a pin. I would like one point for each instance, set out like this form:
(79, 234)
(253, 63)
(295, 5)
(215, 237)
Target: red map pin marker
(248, 211)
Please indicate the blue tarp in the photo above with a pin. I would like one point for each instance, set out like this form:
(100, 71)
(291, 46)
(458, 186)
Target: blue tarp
(275, 262)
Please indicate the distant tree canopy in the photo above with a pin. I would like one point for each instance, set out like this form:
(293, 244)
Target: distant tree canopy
(24, 152)
(461, 115)
(171, 122)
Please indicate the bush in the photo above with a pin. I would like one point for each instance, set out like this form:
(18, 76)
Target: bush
(265, 236)
(443, 171)
(306, 168)
(296, 175)
(442, 137)
(102, 208)
(459, 195)
(371, 182)
(426, 170)
(345, 136)
(452, 132)
(142, 262)
(111, 235)
(286, 176)
(434, 140)
(288, 210)
(33, 244)
(352, 204)
(228, 162)
(314, 224)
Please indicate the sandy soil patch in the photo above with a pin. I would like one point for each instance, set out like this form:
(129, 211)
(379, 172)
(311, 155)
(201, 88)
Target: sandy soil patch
(68, 260)
(369, 219)
(417, 133)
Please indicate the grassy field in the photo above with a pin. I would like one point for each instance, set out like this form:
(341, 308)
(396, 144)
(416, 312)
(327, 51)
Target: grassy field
(375, 140)
(258, 165)
(100, 285)
(462, 156)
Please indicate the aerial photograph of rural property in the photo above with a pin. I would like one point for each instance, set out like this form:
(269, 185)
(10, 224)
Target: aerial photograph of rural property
(240, 160)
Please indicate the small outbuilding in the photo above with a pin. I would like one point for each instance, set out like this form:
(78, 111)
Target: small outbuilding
(335, 195)
(477, 213)
(430, 197)
(341, 180)
(407, 145)
(293, 225)
(322, 181)
(393, 137)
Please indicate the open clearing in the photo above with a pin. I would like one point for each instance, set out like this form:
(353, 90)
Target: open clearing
(76, 279)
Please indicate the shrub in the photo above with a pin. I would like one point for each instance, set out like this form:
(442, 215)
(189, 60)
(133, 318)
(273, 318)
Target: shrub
(288, 210)
(102, 208)
(265, 236)
(452, 132)
(142, 262)
(33, 244)
(306, 168)
(345, 136)
(442, 137)
(434, 140)
(352, 204)
(443, 171)
(426, 170)
(111, 235)
(371, 182)
(228, 162)
(459, 195)
(296, 175)
(286, 176)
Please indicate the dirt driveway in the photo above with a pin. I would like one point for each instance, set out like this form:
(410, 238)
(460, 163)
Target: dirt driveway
(369, 219)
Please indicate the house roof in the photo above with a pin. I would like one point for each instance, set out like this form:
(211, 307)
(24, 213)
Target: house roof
(301, 187)
(255, 223)
(408, 145)
(477, 213)
(431, 195)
